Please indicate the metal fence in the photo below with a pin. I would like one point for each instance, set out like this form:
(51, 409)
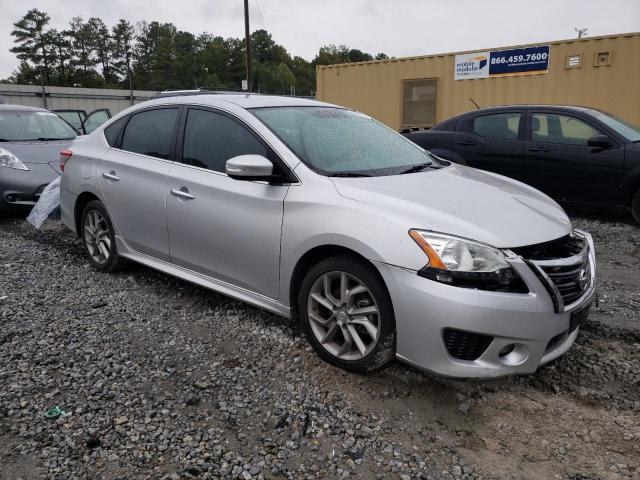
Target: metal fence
(60, 98)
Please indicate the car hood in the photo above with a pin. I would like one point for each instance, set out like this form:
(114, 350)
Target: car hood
(465, 202)
(36, 152)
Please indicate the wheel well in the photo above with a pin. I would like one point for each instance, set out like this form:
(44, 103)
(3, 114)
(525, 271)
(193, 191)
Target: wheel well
(312, 257)
(81, 202)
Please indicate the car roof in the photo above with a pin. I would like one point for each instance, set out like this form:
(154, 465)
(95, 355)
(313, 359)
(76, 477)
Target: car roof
(242, 100)
(534, 106)
(23, 108)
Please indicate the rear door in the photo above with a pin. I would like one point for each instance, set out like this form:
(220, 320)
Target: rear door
(224, 228)
(133, 180)
(566, 167)
(492, 141)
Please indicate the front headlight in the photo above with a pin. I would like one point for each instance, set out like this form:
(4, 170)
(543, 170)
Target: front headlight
(465, 263)
(8, 159)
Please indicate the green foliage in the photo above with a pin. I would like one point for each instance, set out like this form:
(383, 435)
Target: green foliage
(158, 56)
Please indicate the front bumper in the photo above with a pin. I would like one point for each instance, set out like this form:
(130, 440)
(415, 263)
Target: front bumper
(20, 189)
(532, 322)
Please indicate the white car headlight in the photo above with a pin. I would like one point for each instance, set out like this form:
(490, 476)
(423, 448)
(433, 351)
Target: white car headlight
(465, 263)
(457, 254)
(8, 159)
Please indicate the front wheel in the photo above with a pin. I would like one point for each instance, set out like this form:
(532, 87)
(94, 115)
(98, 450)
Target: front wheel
(635, 206)
(347, 314)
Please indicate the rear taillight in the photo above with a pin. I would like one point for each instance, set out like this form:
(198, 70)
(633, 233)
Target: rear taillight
(65, 155)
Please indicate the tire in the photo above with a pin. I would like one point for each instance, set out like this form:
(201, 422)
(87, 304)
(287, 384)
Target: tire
(332, 319)
(635, 206)
(99, 247)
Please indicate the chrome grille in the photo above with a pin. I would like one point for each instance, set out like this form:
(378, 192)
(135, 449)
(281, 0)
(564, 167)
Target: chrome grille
(565, 267)
(572, 281)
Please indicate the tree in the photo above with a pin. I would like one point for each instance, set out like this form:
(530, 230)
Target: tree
(305, 75)
(82, 40)
(101, 44)
(332, 54)
(63, 56)
(158, 56)
(356, 55)
(33, 43)
(121, 49)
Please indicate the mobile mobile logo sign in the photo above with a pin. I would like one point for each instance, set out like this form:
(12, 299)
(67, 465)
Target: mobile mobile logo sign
(500, 63)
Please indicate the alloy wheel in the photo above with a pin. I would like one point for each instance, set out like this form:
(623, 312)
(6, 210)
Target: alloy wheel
(343, 315)
(96, 236)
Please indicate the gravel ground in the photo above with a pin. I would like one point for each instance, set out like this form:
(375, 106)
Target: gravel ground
(159, 378)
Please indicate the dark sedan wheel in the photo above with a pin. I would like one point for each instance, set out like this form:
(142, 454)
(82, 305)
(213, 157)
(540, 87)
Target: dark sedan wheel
(635, 206)
(347, 315)
(98, 238)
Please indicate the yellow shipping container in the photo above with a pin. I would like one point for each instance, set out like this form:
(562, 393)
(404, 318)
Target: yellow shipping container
(599, 72)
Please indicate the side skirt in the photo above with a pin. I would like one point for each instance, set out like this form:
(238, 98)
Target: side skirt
(224, 288)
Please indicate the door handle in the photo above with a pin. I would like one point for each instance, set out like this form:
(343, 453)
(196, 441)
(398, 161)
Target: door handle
(111, 176)
(466, 142)
(538, 149)
(182, 193)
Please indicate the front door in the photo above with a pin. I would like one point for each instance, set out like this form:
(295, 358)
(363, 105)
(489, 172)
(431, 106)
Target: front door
(133, 181)
(224, 228)
(566, 167)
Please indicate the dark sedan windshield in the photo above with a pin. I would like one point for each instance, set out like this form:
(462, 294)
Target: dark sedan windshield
(17, 125)
(339, 142)
(626, 129)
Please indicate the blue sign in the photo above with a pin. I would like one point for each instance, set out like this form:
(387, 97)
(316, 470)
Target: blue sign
(519, 61)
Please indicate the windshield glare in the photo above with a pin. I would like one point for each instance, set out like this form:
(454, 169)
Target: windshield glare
(25, 125)
(626, 129)
(335, 141)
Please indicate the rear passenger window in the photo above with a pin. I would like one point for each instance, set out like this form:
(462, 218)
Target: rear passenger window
(500, 125)
(150, 132)
(112, 131)
(210, 139)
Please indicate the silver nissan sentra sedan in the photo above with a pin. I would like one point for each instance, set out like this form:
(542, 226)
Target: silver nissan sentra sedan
(320, 213)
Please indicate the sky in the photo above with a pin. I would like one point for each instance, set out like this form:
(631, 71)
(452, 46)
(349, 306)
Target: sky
(398, 28)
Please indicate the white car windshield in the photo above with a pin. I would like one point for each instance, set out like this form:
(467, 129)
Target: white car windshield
(18, 125)
(338, 142)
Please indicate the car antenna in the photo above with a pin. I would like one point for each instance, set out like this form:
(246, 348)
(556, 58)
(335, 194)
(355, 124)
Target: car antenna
(474, 102)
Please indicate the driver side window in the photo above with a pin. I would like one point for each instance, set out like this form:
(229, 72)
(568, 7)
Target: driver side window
(553, 128)
(210, 139)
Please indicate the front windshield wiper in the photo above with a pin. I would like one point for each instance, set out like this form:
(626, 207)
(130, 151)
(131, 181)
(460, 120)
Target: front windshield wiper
(4, 140)
(418, 168)
(49, 139)
(349, 174)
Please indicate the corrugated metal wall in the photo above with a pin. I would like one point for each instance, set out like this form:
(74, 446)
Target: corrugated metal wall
(58, 98)
(375, 88)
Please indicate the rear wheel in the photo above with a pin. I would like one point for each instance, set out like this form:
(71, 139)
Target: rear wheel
(98, 238)
(347, 315)
(635, 206)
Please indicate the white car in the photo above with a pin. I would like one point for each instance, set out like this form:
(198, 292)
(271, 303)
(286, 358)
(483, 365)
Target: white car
(313, 211)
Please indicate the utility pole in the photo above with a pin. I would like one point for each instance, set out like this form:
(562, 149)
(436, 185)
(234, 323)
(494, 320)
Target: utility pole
(129, 77)
(247, 43)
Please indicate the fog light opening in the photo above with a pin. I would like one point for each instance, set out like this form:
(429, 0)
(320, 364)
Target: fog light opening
(506, 350)
(513, 354)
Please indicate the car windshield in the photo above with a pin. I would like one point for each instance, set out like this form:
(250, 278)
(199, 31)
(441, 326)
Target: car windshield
(16, 125)
(338, 142)
(626, 129)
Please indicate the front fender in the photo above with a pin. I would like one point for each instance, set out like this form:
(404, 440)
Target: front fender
(346, 223)
(630, 184)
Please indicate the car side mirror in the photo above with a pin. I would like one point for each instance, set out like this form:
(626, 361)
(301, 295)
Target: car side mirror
(600, 141)
(249, 167)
